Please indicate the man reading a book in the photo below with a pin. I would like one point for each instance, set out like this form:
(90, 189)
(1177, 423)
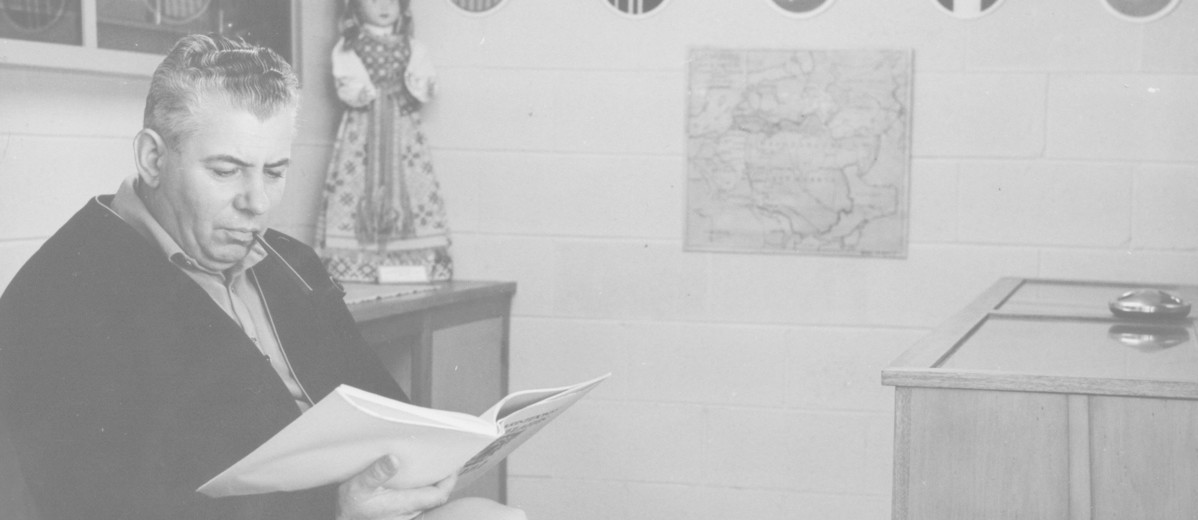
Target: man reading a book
(164, 332)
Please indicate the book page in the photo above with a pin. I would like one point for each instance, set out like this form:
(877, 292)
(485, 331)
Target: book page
(393, 410)
(350, 429)
(338, 438)
(518, 400)
(522, 422)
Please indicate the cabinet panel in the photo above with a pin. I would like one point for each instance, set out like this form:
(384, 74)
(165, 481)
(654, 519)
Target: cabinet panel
(1145, 457)
(987, 455)
(396, 340)
(466, 375)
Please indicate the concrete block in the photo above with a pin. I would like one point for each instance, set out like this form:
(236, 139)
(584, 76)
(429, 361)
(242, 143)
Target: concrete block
(563, 195)
(765, 448)
(679, 502)
(1123, 117)
(978, 115)
(56, 103)
(709, 363)
(934, 211)
(1047, 203)
(48, 179)
(633, 441)
(13, 255)
(1164, 208)
(922, 290)
(838, 369)
(1128, 265)
(935, 282)
(547, 352)
(1171, 43)
(629, 280)
(788, 289)
(878, 474)
(624, 112)
(1064, 35)
(527, 261)
(576, 499)
(493, 109)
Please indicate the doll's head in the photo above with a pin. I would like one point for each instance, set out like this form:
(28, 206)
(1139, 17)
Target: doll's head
(392, 14)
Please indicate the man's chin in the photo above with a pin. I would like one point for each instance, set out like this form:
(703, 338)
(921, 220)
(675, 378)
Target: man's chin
(228, 256)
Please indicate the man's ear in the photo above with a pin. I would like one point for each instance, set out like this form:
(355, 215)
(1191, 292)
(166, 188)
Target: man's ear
(149, 151)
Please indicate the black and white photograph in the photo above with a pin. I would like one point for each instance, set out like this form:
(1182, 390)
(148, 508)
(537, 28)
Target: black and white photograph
(598, 259)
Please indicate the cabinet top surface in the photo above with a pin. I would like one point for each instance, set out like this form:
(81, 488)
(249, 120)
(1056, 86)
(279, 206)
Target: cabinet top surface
(1053, 335)
(368, 301)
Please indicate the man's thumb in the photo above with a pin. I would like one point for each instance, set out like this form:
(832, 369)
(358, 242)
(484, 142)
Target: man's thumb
(380, 472)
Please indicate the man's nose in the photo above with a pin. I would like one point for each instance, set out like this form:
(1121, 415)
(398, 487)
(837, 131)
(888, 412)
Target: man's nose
(253, 198)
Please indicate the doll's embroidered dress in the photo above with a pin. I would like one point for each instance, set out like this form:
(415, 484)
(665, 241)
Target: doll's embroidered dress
(382, 203)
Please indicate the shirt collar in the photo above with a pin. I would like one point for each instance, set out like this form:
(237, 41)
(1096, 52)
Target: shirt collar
(129, 206)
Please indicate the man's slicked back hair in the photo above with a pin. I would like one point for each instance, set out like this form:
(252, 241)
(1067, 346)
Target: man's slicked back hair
(251, 77)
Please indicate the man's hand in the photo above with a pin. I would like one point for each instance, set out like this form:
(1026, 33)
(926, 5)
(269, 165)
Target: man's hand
(366, 496)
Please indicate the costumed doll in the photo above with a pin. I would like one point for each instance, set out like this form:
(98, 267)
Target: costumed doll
(382, 205)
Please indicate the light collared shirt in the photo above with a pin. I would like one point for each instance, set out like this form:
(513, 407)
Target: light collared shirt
(235, 290)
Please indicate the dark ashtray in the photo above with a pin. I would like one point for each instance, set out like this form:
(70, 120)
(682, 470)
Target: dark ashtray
(1151, 304)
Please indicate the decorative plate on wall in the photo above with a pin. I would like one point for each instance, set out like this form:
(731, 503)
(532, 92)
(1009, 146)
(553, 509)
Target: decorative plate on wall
(50, 21)
(636, 8)
(33, 16)
(968, 9)
(1140, 10)
(177, 12)
(478, 6)
(801, 8)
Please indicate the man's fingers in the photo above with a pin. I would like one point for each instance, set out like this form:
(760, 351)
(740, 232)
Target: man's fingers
(378, 473)
(448, 483)
(428, 497)
(374, 479)
(367, 494)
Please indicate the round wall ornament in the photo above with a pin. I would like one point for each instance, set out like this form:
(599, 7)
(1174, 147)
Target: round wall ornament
(801, 8)
(177, 12)
(33, 16)
(636, 8)
(968, 9)
(1140, 10)
(478, 7)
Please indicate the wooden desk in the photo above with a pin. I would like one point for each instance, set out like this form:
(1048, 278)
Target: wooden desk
(1034, 402)
(446, 344)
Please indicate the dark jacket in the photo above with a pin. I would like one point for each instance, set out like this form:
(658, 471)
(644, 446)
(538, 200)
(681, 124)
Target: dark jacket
(125, 386)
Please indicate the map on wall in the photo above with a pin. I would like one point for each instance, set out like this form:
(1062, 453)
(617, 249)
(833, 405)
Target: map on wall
(794, 151)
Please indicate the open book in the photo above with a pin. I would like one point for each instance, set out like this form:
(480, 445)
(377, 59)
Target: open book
(350, 429)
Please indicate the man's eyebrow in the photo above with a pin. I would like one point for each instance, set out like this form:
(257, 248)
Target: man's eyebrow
(226, 158)
(243, 164)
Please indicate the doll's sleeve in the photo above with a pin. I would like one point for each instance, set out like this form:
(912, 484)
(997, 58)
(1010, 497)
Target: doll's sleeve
(420, 77)
(352, 79)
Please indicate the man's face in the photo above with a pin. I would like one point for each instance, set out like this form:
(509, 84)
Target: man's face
(219, 183)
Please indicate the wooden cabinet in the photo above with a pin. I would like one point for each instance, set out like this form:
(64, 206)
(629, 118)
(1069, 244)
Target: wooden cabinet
(446, 344)
(1035, 402)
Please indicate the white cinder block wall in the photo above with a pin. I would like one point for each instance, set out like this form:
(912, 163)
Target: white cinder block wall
(1050, 139)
